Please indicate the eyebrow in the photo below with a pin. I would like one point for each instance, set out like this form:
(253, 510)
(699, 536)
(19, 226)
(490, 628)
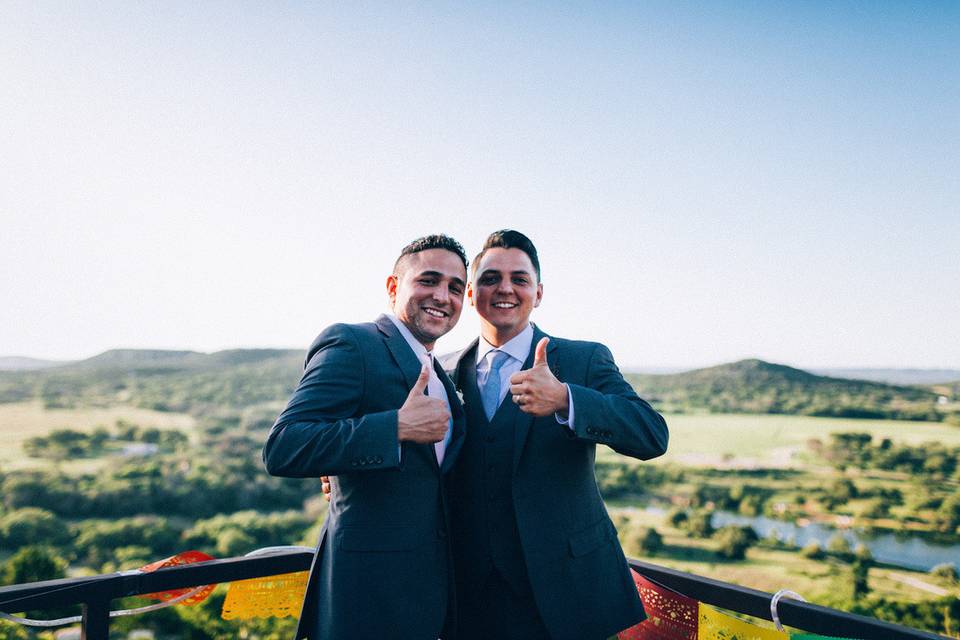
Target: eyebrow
(437, 274)
(518, 272)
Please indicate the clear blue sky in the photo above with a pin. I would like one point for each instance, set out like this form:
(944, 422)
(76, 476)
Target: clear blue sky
(705, 182)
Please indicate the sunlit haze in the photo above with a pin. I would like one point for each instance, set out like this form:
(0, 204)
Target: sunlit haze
(705, 182)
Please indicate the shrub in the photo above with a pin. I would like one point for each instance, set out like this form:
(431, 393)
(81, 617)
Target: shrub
(642, 541)
(946, 570)
(734, 541)
(839, 546)
(812, 550)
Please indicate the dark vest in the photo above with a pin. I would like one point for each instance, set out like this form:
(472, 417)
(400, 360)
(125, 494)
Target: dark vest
(490, 444)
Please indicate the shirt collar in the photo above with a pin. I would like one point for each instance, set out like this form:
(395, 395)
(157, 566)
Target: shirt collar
(516, 347)
(418, 349)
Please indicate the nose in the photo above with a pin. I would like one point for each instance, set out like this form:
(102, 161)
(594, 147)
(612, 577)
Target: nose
(505, 286)
(441, 294)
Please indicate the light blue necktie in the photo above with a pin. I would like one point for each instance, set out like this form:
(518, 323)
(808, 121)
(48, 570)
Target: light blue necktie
(490, 394)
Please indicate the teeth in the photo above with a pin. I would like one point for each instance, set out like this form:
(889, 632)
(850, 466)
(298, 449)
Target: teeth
(504, 305)
(435, 313)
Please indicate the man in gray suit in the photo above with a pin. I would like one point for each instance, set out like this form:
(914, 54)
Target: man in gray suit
(382, 567)
(536, 556)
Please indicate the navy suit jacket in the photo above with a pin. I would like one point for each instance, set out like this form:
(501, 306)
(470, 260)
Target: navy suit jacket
(382, 567)
(577, 570)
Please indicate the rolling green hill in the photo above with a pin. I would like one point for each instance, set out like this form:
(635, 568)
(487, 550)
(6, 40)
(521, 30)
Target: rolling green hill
(755, 386)
(199, 383)
(183, 381)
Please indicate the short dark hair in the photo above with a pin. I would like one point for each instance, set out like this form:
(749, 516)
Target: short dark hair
(509, 239)
(435, 241)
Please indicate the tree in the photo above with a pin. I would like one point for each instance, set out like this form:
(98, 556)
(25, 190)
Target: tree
(839, 546)
(860, 571)
(699, 524)
(31, 526)
(31, 564)
(948, 515)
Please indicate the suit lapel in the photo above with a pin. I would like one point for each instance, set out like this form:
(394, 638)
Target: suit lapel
(408, 362)
(523, 421)
(410, 366)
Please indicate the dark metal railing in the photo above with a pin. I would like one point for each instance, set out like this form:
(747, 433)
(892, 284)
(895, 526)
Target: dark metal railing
(96, 593)
(794, 613)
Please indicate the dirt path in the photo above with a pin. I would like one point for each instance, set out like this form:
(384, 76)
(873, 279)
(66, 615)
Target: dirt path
(919, 584)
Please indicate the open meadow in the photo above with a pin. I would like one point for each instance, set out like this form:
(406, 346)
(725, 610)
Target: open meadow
(20, 421)
(765, 441)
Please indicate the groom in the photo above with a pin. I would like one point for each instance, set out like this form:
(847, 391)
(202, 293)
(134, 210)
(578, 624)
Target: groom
(382, 567)
(536, 556)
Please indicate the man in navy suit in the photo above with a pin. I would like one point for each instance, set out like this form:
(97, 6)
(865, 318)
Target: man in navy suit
(535, 553)
(382, 567)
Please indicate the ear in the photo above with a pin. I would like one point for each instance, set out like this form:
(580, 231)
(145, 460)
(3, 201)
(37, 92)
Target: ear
(536, 303)
(392, 289)
(473, 302)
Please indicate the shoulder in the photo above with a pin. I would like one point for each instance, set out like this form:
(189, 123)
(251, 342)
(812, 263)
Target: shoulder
(450, 361)
(575, 347)
(342, 334)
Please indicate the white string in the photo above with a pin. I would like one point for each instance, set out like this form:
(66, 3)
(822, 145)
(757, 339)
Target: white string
(30, 622)
(775, 600)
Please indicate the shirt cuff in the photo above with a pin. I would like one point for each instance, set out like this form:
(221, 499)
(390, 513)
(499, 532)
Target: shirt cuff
(569, 419)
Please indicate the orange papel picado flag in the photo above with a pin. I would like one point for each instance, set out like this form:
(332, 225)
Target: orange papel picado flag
(272, 596)
(187, 557)
(670, 616)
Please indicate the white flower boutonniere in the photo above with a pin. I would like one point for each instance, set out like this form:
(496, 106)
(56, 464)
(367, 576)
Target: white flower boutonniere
(460, 396)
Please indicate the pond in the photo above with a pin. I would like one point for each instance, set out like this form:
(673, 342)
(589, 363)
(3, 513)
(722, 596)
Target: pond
(911, 551)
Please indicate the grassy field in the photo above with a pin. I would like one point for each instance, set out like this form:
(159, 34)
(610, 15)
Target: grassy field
(23, 420)
(734, 440)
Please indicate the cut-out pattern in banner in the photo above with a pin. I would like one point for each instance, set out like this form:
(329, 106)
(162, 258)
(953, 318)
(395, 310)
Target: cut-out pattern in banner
(670, 616)
(187, 557)
(713, 625)
(272, 596)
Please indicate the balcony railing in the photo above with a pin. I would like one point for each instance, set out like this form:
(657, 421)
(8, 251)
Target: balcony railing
(96, 593)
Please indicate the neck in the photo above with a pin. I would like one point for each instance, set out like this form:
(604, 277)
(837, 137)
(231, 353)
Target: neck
(499, 337)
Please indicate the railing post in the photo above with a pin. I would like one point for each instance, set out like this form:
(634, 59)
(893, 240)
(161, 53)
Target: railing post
(95, 623)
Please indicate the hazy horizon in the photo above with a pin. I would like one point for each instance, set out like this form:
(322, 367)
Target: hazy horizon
(705, 183)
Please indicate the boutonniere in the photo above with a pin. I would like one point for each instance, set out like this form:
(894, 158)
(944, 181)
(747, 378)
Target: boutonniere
(459, 395)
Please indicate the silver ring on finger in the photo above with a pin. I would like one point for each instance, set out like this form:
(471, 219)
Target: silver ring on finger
(518, 399)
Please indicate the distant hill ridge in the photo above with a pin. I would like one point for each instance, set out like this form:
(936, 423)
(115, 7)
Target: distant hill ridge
(756, 386)
(22, 363)
(173, 380)
(159, 358)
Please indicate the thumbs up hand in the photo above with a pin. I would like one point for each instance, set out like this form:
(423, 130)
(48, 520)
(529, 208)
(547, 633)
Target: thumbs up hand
(422, 419)
(536, 390)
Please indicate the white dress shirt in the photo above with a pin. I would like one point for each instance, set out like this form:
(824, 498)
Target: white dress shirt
(518, 348)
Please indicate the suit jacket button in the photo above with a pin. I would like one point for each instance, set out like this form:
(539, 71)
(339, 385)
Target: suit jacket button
(378, 460)
(354, 463)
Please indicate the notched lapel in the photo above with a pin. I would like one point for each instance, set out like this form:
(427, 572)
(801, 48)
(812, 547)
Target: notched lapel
(402, 354)
(523, 421)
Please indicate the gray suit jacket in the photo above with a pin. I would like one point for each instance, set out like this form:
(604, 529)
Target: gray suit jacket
(577, 571)
(382, 567)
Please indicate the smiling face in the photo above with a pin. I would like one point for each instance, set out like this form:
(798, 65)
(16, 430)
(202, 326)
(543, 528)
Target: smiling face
(504, 290)
(427, 293)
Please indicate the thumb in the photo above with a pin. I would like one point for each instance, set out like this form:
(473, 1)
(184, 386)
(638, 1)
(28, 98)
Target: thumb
(540, 355)
(421, 384)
